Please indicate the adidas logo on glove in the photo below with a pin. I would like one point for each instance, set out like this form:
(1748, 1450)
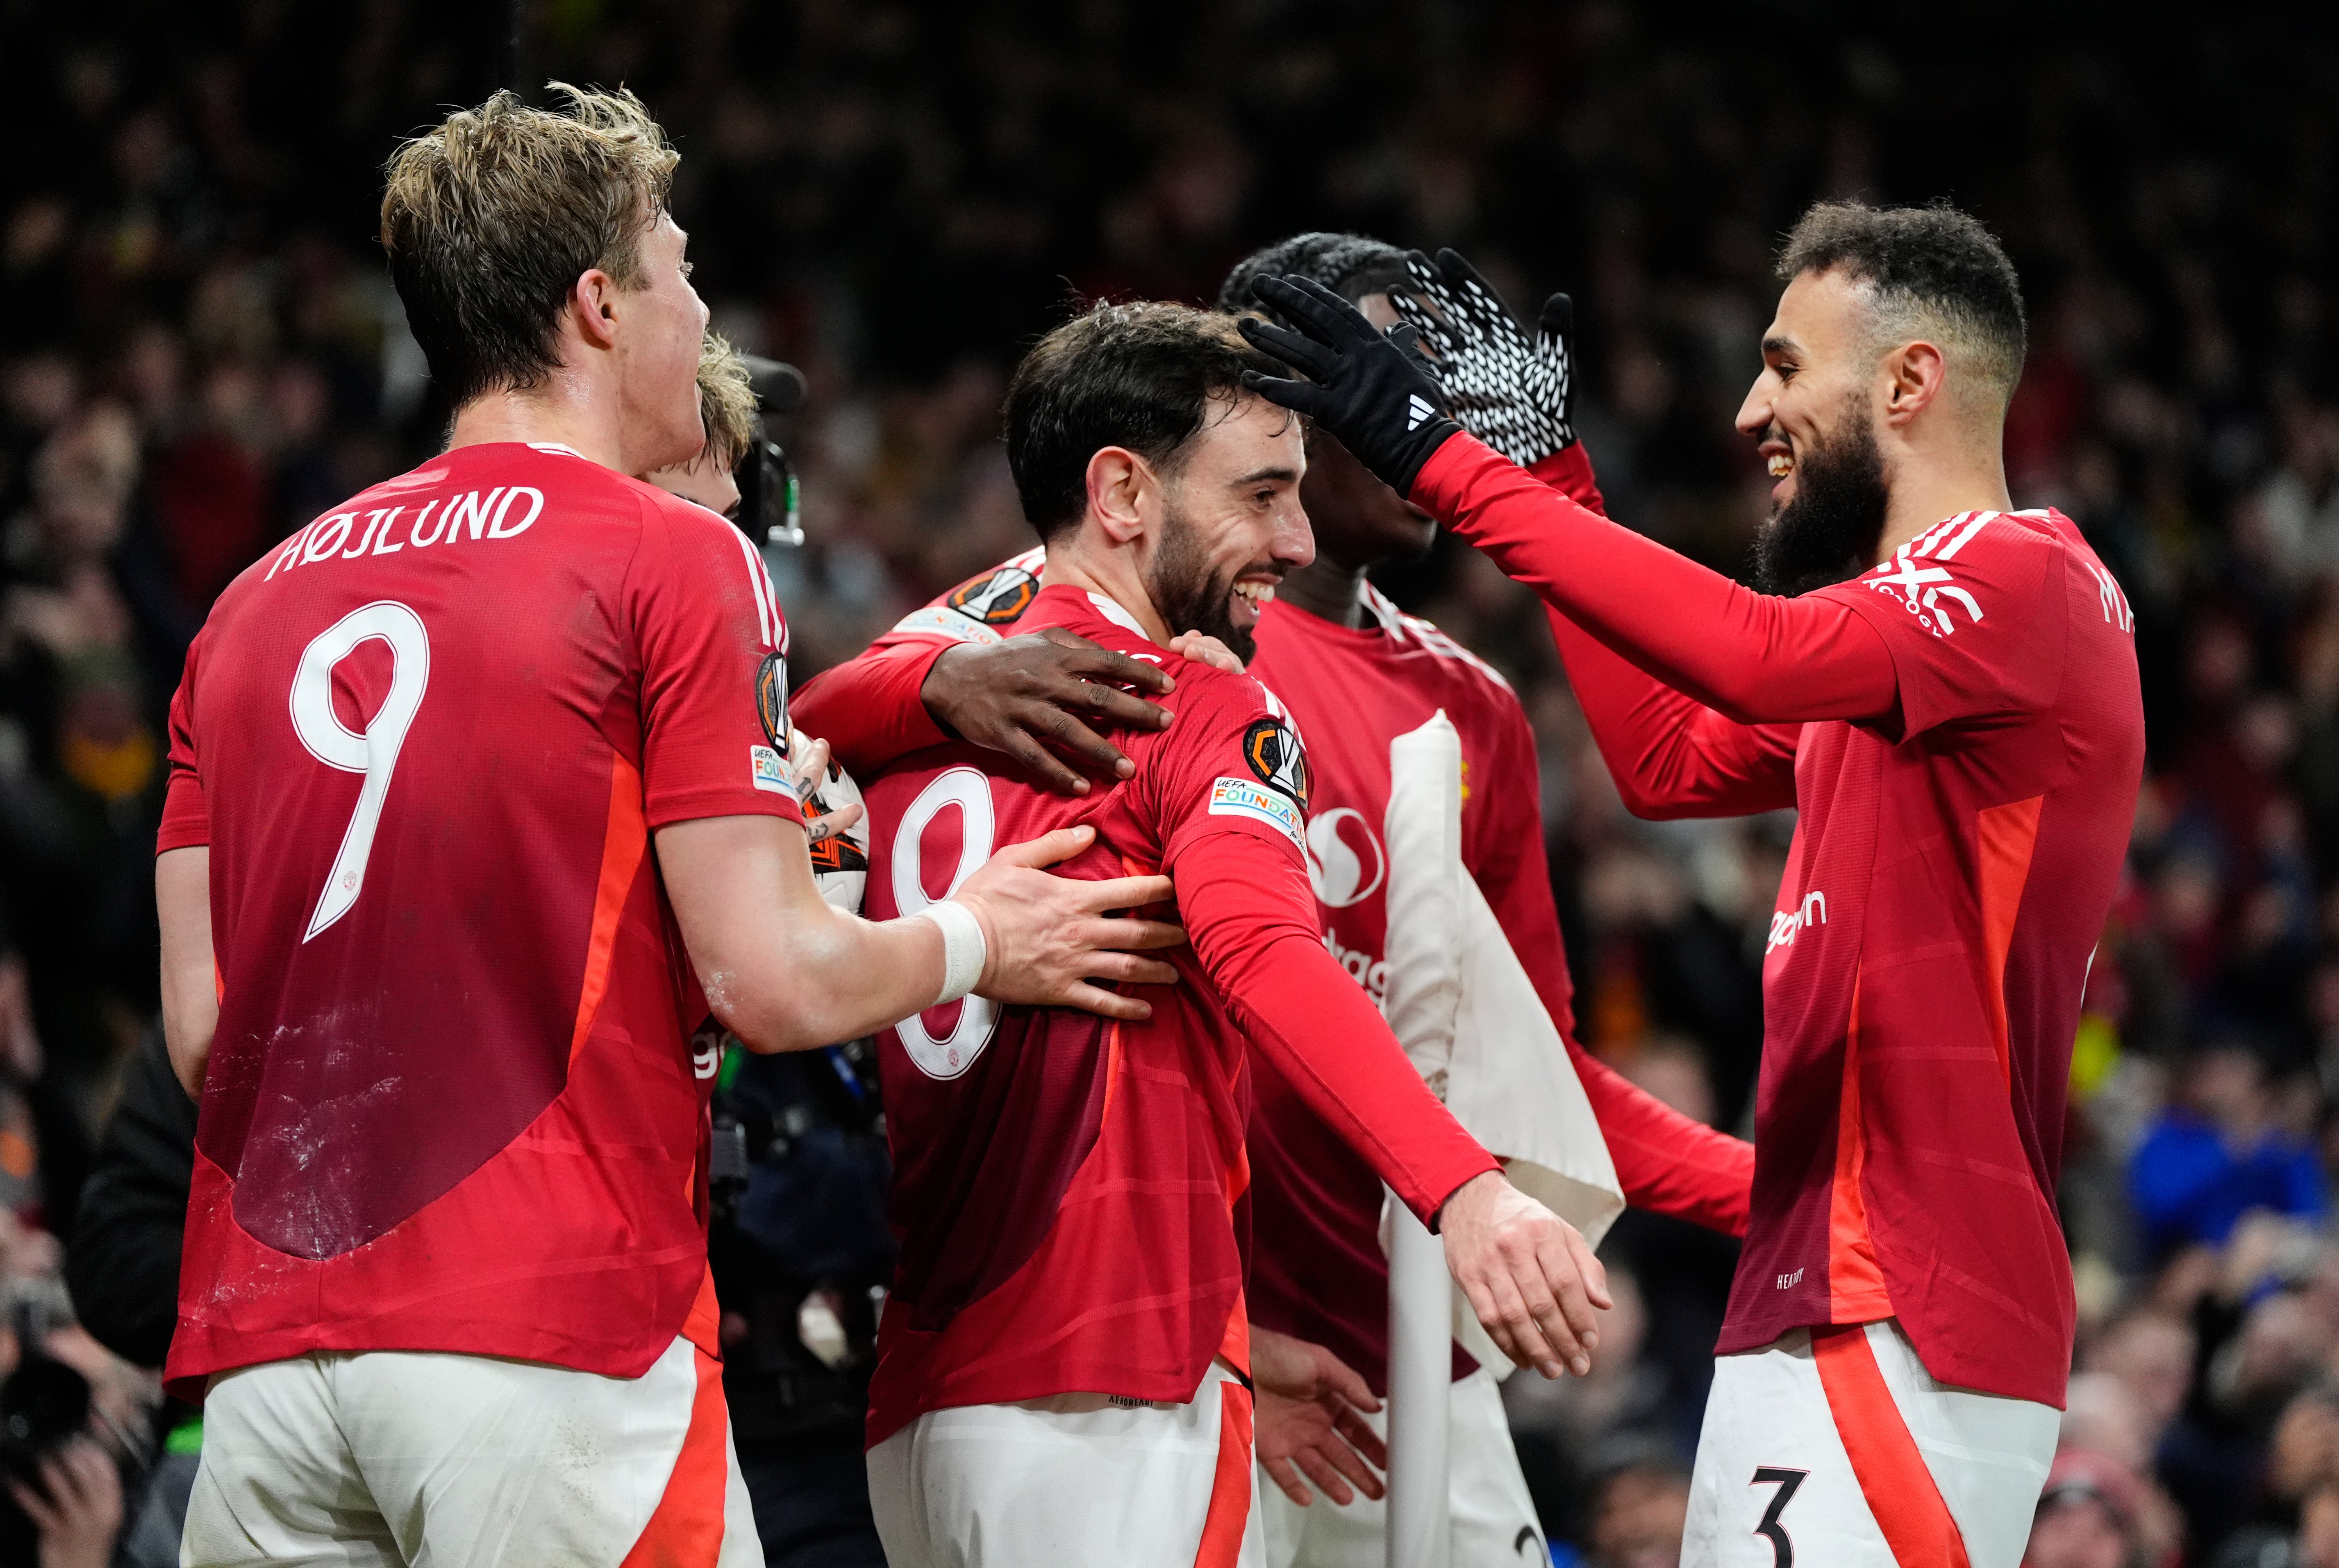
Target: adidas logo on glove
(1418, 411)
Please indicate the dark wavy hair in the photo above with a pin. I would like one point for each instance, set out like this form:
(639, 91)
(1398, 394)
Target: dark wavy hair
(1142, 376)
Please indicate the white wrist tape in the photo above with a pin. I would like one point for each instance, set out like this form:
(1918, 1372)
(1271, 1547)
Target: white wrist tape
(963, 948)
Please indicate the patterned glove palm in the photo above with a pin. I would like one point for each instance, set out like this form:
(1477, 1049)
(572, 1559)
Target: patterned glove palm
(1514, 395)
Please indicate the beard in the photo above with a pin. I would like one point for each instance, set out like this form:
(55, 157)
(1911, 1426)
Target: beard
(1190, 597)
(1828, 533)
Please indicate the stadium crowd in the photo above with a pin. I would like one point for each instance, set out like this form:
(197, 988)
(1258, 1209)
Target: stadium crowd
(201, 349)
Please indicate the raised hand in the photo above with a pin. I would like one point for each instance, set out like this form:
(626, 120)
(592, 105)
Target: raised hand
(1374, 394)
(1035, 696)
(1518, 397)
(1047, 938)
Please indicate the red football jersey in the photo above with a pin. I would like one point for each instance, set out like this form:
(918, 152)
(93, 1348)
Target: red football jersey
(1318, 1271)
(451, 1103)
(1068, 1192)
(1940, 908)
(1952, 869)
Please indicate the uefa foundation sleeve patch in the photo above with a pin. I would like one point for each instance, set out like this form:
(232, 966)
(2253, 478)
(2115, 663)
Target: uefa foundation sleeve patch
(768, 771)
(1243, 797)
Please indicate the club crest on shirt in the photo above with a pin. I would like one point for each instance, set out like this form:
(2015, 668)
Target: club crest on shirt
(1275, 758)
(997, 598)
(772, 699)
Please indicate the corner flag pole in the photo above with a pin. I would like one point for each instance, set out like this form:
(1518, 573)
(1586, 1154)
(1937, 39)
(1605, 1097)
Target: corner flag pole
(1424, 992)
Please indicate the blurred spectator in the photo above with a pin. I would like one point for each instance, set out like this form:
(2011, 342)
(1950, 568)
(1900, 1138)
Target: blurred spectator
(2218, 1153)
(1639, 1504)
(2149, 1354)
(202, 353)
(2095, 1513)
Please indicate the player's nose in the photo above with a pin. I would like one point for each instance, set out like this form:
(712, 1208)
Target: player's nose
(1754, 413)
(1294, 542)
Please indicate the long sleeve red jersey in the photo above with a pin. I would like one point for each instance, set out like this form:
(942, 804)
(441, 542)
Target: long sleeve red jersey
(1072, 1194)
(1966, 746)
(1318, 1271)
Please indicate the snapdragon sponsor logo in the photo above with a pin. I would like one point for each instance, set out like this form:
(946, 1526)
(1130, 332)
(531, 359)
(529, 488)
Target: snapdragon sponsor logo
(1366, 970)
(1786, 924)
(1346, 863)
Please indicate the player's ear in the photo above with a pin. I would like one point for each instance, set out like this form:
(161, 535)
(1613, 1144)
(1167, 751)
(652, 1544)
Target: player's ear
(593, 308)
(1117, 479)
(1914, 374)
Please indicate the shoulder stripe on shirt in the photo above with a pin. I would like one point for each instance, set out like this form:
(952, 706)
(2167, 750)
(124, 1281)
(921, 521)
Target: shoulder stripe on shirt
(1400, 628)
(1954, 545)
(759, 582)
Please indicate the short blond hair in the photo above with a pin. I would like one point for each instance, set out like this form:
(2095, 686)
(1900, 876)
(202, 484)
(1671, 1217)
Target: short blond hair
(490, 217)
(727, 401)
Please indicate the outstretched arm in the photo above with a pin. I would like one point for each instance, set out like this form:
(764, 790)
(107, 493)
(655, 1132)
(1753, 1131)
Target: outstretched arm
(1033, 697)
(755, 925)
(1667, 1163)
(1754, 657)
(1529, 1274)
(868, 709)
(1670, 755)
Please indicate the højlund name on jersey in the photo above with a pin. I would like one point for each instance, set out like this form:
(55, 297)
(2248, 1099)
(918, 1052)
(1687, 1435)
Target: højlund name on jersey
(502, 513)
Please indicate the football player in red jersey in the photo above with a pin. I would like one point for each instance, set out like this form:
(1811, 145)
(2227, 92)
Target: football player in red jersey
(1951, 703)
(1062, 1364)
(445, 1279)
(1355, 673)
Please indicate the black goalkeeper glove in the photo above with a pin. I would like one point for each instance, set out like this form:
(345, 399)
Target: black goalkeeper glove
(1515, 396)
(1374, 394)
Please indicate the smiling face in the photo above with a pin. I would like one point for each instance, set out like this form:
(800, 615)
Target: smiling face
(1813, 411)
(661, 322)
(1228, 522)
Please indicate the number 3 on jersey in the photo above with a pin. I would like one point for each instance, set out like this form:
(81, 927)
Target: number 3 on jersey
(968, 790)
(374, 753)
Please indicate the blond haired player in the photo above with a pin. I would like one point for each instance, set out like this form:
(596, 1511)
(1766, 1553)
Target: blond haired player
(727, 406)
(478, 808)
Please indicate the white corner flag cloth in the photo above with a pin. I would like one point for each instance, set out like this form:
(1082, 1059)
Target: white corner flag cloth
(1468, 1015)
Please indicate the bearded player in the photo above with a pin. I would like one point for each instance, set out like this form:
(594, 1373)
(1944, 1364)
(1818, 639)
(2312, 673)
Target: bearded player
(1355, 673)
(1953, 708)
(477, 806)
(1063, 1363)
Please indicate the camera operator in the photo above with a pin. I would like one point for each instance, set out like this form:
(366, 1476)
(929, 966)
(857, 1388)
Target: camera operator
(123, 1268)
(73, 1428)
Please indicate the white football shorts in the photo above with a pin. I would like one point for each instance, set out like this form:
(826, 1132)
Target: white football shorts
(1495, 1520)
(385, 1458)
(1072, 1482)
(1835, 1448)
